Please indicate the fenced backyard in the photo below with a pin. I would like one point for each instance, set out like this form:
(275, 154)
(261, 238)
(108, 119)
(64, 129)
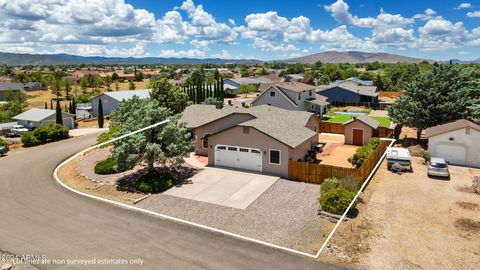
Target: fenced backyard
(317, 173)
(372, 105)
(337, 128)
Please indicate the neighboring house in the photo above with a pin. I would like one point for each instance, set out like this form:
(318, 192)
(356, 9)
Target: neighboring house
(294, 77)
(348, 91)
(357, 81)
(293, 96)
(232, 85)
(261, 139)
(80, 73)
(457, 142)
(111, 100)
(4, 87)
(360, 130)
(41, 117)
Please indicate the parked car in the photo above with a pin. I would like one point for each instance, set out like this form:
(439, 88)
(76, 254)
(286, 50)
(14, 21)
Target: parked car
(399, 155)
(16, 131)
(438, 167)
(3, 150)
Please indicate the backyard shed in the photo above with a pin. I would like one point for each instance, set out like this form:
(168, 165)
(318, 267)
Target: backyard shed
(360, 130)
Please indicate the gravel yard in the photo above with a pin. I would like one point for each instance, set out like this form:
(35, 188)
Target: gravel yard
(411, 221)
(286, 215)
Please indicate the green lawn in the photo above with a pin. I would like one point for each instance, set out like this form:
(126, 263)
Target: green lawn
(342, 118)
(384, 121)
(339, 118)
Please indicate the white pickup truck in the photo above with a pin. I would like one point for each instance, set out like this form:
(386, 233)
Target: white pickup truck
(399, 155)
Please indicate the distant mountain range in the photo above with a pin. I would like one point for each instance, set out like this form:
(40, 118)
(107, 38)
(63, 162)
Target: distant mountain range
(17, 59)
(354, 57)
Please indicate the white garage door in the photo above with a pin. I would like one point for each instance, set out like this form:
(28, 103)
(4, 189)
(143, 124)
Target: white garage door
(452, 153)
(238, 157)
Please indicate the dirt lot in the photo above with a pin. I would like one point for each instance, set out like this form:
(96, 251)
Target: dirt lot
(411, 221)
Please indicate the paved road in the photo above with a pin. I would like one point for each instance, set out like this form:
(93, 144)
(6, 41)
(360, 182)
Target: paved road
(37, 216)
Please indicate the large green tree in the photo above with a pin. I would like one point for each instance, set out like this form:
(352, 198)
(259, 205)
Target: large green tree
(168, 95)
(442, 94)
(167, 144)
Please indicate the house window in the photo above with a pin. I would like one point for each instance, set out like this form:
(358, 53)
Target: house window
(246, 130)
(310, 93)
(205, 140)
(255, 151)
(467, 130)
(222, 148)
(272, 93)
(232, 149)
(274, 156)
(245, 150)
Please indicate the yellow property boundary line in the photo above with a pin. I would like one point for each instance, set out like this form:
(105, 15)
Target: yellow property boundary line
(166, 217)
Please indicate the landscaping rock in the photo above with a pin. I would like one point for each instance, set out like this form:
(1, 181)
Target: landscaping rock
(476, 185)
(6, 266)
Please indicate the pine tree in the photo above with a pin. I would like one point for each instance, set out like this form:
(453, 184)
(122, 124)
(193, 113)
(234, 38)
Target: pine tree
(58, 113)
(222, 91)
(51, 104)
(46, 106)
(66, 107)
(74, 106)
(100, 113)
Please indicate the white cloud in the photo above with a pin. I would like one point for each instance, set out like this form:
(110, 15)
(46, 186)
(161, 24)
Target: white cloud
(463, 6)
(223, 54)
(426, 15)
(440, 33)
(473, 14)
(192, 53)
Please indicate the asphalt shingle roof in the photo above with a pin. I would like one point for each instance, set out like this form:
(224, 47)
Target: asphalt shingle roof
(440, 129)
(286, 126)
(352, 87)
(365, 119)
(34, 115)
(128, 94)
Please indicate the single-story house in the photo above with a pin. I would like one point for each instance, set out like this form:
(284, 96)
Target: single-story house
(42, 117)
(360, 130)
(232, 85)
(457, 142)
(348, 91)
(262, 138)
(293, 96)
(9, 86)
(357, 81)
(111, 100)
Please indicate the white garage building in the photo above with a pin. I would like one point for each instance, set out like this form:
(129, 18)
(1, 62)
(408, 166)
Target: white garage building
(457, 142)
(41, 117)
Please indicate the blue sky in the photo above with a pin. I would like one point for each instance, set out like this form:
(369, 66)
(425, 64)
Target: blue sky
(261, 29)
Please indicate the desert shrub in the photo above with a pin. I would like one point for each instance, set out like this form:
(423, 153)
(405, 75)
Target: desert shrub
(42, 134)
(374, 142)
(57, 132)
(362, 153)
(106, 166)
(154, 182)
(329, 184)
(350, 183)
(3, 142)
(28, 139)
(106, 136)
(336, 201)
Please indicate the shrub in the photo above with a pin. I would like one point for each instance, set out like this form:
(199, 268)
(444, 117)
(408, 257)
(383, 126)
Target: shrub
(107, 136)
(362, 153)
(154, 182)
(28, 139)
(42, 134)
(329, 184)
(336, 201)
(58, 132)
(106, 166)
(350, 183)
(374, 142)
(3, 142)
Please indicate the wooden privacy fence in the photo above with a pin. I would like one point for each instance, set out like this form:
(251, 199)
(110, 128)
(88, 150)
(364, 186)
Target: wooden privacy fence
(336, 128)
(317, 173)
(392, 95)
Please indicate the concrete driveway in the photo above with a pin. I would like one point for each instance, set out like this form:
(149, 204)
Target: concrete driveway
(237, 189)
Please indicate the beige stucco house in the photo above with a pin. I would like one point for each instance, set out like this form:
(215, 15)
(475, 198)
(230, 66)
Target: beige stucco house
(360, 130)
(293, 96)
(262, 138)
(457, 142)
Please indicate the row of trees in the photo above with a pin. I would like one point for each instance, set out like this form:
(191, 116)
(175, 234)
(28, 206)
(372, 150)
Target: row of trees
(199, 88)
